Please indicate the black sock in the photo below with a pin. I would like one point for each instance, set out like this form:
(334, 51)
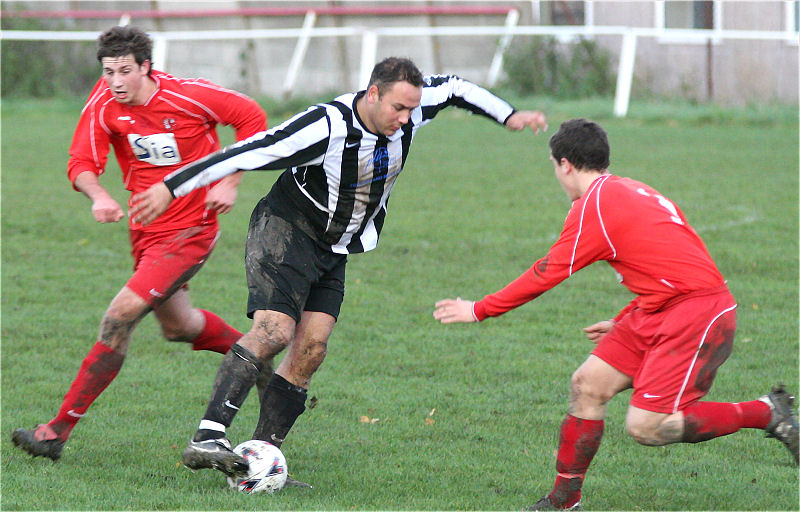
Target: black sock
(236, 375)
(262, 382)
(282, 404)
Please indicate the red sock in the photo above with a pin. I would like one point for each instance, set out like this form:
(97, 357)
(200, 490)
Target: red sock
(707, 420)
(98, 369)
(217, 335)
(580, 440)
(755, 414)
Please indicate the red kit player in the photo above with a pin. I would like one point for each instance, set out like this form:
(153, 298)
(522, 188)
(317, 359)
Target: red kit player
(667, 344)
(156, 123)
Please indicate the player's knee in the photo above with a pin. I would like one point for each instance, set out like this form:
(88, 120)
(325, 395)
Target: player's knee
(116, 328)
(643, 434)
(182, 328)
(652, 434)
(585, 389)
(175, 333)
(122, 315)
(316, 348)
(117, 321)
(271, 336)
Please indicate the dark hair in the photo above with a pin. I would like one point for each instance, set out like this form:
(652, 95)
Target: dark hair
(582, 142)
(121, 41)
(394, 69)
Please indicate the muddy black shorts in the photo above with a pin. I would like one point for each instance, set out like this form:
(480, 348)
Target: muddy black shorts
(287, 270)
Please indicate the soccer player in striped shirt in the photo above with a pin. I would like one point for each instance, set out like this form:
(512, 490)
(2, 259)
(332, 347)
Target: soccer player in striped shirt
(156, 123)
(342, 159)
(667, 344)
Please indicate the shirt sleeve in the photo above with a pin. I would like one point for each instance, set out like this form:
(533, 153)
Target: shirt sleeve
(90, 142)
(580, 244)
(228, 107)
(301, 140)
(442, 91)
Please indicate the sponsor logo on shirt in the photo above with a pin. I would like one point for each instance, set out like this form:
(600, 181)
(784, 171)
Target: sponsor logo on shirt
(156, 149)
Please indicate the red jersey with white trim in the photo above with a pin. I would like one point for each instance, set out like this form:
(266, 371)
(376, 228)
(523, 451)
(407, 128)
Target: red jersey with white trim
(175, 126)
(642, 234)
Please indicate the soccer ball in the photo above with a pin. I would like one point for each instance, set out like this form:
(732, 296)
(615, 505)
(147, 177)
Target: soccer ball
(267, 471)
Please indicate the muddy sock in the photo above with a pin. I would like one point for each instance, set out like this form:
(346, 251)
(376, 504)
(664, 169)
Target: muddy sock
(706, 420)
(282, 404)
(262, 382)
(580, 440)
(98, 369)
(235, 377)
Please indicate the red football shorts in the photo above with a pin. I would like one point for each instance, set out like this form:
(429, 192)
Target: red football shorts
(164, 262)
(673, 354)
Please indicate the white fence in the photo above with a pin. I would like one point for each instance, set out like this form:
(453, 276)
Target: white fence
(370, 37)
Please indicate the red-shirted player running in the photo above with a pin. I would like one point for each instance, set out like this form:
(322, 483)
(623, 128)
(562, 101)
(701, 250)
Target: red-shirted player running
(667, 344)
(156, 123)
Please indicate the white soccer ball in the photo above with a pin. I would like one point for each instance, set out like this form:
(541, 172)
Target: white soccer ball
(268, 471)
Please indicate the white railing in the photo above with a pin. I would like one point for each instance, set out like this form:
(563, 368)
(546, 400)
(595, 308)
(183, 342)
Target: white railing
(370, 37)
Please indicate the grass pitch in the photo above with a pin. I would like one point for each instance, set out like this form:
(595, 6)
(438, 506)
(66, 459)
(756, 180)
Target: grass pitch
(410, 414)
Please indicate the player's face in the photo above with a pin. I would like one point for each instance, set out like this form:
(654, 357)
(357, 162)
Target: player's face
(127, 80)
(392, 110)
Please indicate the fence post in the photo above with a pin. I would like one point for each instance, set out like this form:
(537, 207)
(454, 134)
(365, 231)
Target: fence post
(497, 61)
(369, 50)
(159, 51)
(299, 53)
(627, 57)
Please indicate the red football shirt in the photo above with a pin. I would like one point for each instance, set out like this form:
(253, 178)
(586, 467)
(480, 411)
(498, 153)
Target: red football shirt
(175, 126)
(643, 236)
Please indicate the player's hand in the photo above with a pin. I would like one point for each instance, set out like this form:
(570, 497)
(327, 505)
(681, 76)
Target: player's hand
(531, 118)
(107, 210)
(222, 196)
(449, 311)
(596, 331)
(148, 205)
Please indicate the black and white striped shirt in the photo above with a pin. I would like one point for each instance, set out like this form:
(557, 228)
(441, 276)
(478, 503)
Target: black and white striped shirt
(338, 174)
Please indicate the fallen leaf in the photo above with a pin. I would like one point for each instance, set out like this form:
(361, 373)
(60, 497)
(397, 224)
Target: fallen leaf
(364, 419)
(429, 421)
(432, 411)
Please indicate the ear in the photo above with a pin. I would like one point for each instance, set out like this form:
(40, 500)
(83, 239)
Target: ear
(566, 165)
(146, 66)
(373, 95)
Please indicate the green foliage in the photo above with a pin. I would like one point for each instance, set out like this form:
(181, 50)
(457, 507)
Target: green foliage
(467, 415)
(563, 70)
(42, 69)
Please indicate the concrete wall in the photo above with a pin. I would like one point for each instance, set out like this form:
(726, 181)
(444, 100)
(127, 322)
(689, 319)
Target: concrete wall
(729, 71)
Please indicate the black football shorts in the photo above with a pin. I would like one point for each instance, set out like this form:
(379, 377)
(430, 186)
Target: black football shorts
(287, 270)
